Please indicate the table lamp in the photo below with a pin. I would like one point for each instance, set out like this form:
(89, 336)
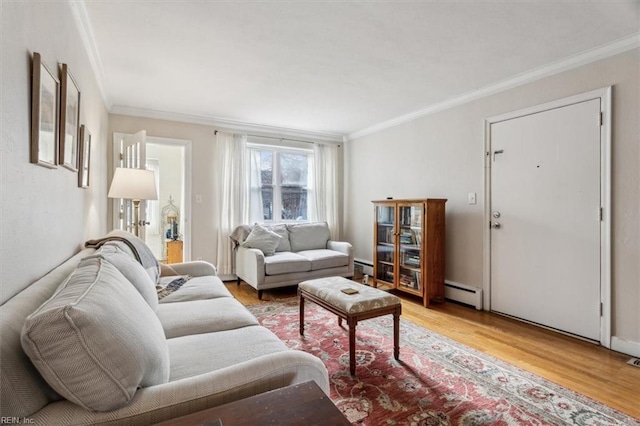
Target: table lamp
(135, 185)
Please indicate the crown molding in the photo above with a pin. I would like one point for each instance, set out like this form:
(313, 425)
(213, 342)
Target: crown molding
(230, 124)
(610, 49)
(81, 17)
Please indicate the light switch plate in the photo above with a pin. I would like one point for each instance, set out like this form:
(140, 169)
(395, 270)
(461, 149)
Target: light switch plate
(472, 198)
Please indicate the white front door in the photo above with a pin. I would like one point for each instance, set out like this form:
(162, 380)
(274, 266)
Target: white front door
(545, 199)
(130, 152)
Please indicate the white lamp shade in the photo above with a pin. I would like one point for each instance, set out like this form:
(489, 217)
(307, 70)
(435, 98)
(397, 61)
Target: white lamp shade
(133, 184)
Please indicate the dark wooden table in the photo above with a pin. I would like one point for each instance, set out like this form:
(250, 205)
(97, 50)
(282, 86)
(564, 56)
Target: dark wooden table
(303, 404)
(352, 321)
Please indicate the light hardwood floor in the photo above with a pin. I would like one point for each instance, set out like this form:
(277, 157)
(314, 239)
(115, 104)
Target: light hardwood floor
(588, 369)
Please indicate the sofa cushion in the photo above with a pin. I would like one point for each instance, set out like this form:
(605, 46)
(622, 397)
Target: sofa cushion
(262, 239)
(203, 353)
(197, 288)
(132, 271)
(286, 262)
(203, 316)
(283, 244)
(308, 236)
(95, 341)
(324, 259)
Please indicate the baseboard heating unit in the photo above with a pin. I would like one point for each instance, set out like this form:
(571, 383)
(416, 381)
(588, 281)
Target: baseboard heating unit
(463, 293)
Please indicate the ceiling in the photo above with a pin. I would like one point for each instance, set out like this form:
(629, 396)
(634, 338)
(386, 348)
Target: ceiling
(330, 66)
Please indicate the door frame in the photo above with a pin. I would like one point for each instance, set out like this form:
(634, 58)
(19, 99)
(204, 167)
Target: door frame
(117, 136)
(604, 94)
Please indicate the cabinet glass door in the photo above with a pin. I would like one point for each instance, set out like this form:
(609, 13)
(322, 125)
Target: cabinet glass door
(410, 247)
(385, 243)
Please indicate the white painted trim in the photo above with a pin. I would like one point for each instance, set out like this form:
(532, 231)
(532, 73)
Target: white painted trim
(188, 196)
(116, 162)
(571, 62)
(229, 124)
(604, 95)
(605, 224)
(625, 346)
(463, 293)
(81, 17)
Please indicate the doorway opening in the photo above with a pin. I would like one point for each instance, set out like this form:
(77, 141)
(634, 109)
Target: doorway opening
(168, 232)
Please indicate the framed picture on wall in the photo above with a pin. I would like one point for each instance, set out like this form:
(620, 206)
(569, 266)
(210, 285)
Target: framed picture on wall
(85, 157)
(69, 120)
(45, 97)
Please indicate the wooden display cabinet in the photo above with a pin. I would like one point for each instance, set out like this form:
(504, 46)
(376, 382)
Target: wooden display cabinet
(409, 246)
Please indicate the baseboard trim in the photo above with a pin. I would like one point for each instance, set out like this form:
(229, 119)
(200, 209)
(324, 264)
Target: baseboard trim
(625, 346)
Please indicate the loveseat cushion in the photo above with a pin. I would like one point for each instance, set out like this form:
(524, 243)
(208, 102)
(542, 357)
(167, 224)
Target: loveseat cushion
(324, 259)
(203, 316)
(132, 270)
(262, 239)
(308, 236)
(286, 262)
(96, 340)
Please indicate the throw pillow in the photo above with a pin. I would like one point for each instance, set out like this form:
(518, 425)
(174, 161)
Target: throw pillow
(283, 244)
(96, 341)
(132, 271)
(262, 239)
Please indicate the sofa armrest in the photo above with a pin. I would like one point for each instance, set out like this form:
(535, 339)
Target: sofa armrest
(185, 396)
(341, 246)
(250, 265)
(197, 268)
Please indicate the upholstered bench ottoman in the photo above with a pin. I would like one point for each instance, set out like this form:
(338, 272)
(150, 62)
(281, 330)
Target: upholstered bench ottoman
(353, 302)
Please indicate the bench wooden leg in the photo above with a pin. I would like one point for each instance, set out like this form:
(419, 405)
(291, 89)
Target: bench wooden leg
(396, 334)
(301, 315)
(352, 345)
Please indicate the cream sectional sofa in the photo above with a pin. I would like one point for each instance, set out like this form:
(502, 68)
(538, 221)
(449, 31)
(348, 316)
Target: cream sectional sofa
(96, 338)
(303, 251)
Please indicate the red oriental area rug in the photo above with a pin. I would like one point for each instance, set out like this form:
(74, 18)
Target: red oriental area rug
(436, 382)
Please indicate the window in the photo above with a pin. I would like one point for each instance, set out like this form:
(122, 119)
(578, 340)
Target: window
(282, 175)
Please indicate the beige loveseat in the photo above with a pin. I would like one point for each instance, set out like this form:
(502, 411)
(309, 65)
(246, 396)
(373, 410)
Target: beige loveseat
(302, 252)
(98, 339)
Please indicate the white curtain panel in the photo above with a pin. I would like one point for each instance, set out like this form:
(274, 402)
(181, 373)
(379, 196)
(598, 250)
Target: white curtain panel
(325, 187)
(255, 188)
(232, 197)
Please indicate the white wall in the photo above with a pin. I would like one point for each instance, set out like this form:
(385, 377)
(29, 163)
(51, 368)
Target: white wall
(441, 155)
(45, 216)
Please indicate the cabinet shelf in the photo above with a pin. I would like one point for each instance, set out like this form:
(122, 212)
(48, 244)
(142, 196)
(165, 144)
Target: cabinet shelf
(411, 268)
(409, 246)
(406, 288)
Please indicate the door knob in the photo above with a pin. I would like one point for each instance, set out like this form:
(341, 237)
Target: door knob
(495, 225)
(496, 214)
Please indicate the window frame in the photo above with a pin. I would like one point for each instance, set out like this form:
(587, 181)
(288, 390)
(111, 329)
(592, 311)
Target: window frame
(277, 151)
